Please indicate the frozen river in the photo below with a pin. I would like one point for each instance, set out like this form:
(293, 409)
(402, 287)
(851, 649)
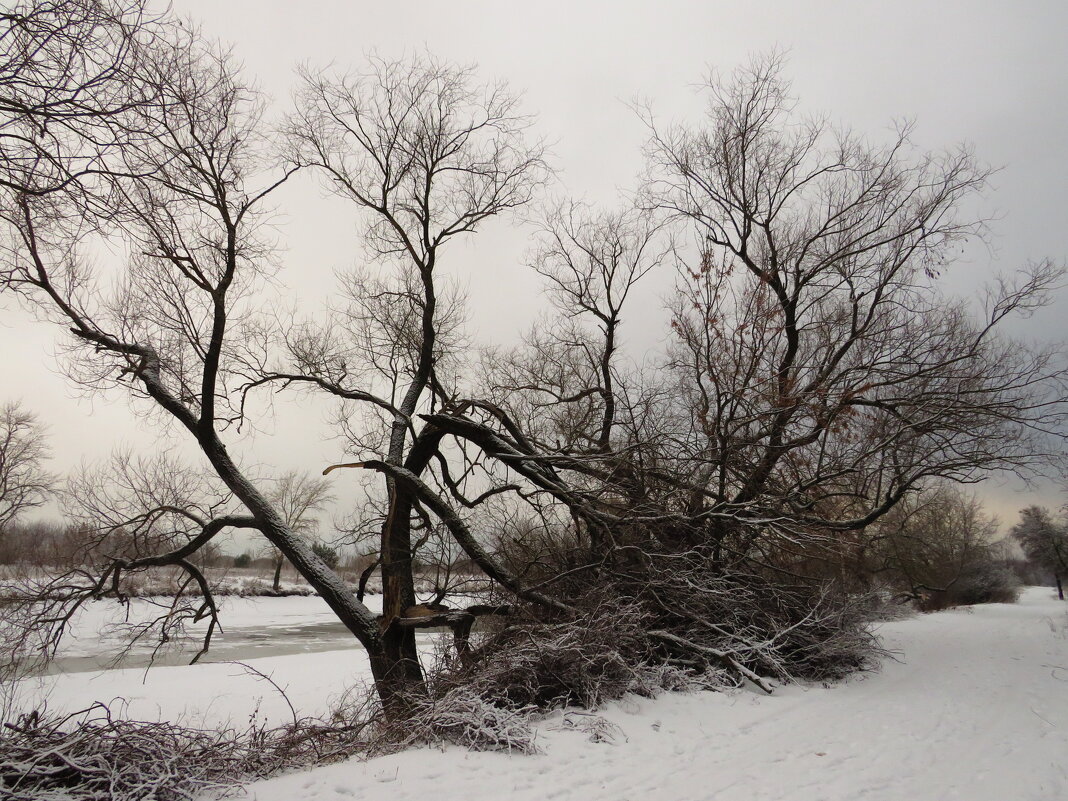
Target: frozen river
(251, 628)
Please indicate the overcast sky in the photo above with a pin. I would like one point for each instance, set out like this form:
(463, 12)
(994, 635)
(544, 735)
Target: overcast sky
(992, 74)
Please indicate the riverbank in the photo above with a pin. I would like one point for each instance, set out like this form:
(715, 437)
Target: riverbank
(972, 706)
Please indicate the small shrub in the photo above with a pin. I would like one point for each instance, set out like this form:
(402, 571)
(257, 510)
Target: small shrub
(984, 582)
(243, 560)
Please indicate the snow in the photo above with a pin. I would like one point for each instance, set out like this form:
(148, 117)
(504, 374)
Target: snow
(296, 640)
(974, 706)
(250, 628)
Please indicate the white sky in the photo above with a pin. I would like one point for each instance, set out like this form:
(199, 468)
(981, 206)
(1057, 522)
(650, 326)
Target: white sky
(992, 74)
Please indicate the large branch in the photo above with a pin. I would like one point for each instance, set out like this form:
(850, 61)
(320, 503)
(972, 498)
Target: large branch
(176, 556)
(329, 386)
(429, 498)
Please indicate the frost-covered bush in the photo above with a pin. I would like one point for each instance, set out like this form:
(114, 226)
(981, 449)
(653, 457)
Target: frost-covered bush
(460, 716)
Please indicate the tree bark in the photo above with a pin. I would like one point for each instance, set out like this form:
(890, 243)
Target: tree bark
(398, 592)
(276, 584)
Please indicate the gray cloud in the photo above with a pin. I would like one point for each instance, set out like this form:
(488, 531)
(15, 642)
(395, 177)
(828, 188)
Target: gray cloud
(985, 73)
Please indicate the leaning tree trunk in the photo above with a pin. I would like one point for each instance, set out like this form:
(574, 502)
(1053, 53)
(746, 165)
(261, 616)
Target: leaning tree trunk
(393, 666)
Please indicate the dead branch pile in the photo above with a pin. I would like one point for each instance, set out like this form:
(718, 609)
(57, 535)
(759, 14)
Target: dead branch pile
(681, 629)
(753, 623)
(461, 716)
(648, 629)
(488, 699)
(94, 756)
(598, 657)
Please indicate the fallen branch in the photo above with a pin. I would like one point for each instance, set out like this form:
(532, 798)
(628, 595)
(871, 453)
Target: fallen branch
(724, 657)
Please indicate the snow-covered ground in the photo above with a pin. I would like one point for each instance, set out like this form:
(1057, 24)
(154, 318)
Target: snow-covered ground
(974, 707)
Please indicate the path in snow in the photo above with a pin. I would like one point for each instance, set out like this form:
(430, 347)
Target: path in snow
(976, 708)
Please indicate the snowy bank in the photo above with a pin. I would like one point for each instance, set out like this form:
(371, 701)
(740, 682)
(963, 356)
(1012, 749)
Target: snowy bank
(975, 707)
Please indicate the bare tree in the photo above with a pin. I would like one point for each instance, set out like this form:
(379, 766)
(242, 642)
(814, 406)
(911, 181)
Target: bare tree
(817, 377)
(427, 155)
(825, 376)
(24, 482)
(1045, 541)
(591, 260)
(567, 387)
(298, 498)
(185, 194)
(935, 547)
(67, 76)
(38, 543)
